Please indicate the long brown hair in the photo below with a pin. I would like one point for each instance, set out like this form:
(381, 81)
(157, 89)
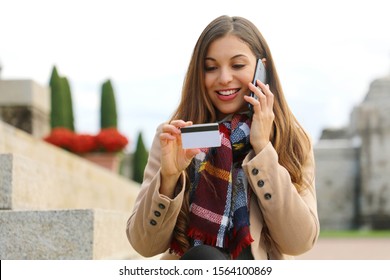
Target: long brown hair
(288, 137)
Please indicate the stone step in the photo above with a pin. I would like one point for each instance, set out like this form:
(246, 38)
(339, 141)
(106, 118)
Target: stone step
(28, 184)
(83, 234)
(56, 205)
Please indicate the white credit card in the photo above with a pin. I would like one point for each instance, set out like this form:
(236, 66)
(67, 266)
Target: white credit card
(200, 136)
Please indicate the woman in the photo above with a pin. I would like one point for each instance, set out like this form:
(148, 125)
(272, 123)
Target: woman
(253, 197)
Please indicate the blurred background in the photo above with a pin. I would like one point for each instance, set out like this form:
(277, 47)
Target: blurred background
(333, 58)
(326, 52)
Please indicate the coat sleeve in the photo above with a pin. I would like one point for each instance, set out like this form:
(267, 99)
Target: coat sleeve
(290, 216)
(150, 226)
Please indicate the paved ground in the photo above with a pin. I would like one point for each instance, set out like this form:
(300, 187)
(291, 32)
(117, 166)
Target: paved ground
(349, 249)
(342, 249)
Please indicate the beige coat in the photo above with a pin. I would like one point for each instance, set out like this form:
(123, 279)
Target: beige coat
(291, 217)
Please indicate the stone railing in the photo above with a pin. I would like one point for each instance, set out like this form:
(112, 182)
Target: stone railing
(56, 205)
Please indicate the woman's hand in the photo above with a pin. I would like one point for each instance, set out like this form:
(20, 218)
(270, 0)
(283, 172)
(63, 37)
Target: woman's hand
(174, 159)
(263, 115)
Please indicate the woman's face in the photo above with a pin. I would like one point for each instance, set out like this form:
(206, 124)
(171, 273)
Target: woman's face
(229, 67)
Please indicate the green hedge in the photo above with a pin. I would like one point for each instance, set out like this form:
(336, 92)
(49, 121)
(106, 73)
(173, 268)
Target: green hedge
(355, 233)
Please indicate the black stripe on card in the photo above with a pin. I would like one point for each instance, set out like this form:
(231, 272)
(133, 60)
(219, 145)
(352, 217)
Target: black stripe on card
(200, 128)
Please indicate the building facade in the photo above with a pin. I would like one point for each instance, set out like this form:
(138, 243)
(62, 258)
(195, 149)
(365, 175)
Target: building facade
(353, 166)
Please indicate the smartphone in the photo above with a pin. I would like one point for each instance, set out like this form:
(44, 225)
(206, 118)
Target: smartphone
(260, 74)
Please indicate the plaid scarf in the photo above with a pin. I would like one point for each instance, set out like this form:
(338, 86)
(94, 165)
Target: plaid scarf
(219, 193)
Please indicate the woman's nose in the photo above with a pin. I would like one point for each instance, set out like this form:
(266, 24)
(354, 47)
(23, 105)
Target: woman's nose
(225, 76)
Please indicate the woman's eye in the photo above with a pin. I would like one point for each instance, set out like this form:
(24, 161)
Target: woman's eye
(210, 68)
(238, 66)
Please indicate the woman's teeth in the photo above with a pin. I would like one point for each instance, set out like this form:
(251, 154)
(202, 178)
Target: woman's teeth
(227, 92)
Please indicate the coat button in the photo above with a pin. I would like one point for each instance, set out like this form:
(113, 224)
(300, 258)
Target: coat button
(153, 222)
(255, 171)
(260, 183)
(161, 206)
(267, 196)
(157, 213)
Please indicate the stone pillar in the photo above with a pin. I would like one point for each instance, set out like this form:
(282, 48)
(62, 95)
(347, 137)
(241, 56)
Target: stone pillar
(371, 122)
(25, 104)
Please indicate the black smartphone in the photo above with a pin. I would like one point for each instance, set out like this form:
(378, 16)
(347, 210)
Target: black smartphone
(260, 74)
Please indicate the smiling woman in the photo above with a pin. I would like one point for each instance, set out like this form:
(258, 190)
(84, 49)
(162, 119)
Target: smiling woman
(252, 196)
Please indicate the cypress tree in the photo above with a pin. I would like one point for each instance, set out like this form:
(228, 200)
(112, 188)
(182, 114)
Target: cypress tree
(68, 105)
(108, 113)
(140, 158)
(57, 114)
(61, 102)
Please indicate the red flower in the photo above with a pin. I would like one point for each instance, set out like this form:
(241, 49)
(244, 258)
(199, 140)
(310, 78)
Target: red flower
(61, 137)
(110, 140)
(83, 143)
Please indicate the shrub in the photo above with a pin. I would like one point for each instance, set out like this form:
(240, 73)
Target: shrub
(140, 159)
(108, 112)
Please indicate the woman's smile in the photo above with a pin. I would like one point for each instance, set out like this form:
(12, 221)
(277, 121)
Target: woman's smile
(227, 94)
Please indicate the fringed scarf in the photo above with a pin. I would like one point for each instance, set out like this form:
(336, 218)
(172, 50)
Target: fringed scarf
(219, 193)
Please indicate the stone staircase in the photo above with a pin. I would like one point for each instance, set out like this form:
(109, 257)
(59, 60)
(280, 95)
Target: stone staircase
(56, 205)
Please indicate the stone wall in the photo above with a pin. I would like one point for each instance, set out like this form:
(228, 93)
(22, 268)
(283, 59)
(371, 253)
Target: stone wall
(359, 172)
(335, 182)
(56, 205)
(26, 105)
(372, 126)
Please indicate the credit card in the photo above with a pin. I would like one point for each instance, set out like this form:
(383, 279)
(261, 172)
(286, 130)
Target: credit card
(204, 135)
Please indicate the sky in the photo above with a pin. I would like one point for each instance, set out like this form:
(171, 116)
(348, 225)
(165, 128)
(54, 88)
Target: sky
(326, 52)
